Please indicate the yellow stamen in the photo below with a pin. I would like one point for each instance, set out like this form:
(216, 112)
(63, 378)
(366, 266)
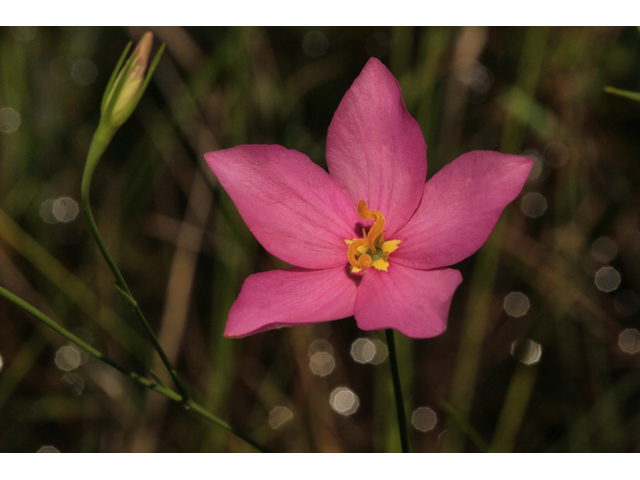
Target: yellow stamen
(390, 246)
(378, 227)
(371, 250)
(364, 261)
(351, 252)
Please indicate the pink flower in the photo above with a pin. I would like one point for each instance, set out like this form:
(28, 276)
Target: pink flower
(369, 238)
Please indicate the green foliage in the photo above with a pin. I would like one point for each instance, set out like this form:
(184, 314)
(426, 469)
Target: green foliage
(184, 250)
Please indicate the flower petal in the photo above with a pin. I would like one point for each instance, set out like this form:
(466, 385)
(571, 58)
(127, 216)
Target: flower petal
(292, 297)
(414, 302)
(460, 207)
(290, 204)
(375, 149)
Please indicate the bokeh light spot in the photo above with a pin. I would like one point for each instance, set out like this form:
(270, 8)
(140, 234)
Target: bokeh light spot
(516, 304)
(536, 168)
(424, 419)
(533, 204)
(475, 76)
(46, 211)
(556, 154)
(84, 72)
(381, 353)
(65, 209)
(68, 358)
(87, 336)
(1, 363)
(9, 120)
(279, 416)
(607, 279)
(48, 449)
(344, 401)
(629, 341)
(320, 346)
(322, 363)
(626, 302)
(604, 249)
(74, 383)
(315, 43)
(363, 350)
(527, 351)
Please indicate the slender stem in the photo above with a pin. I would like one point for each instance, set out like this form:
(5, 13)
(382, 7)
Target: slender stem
(397, 389)
(101, 139)
(623, 93)
(213, 419)
(161, 389)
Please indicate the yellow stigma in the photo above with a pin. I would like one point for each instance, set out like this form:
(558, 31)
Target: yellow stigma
(371, 250)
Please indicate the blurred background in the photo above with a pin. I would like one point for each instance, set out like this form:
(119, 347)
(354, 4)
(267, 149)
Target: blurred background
(542, 349)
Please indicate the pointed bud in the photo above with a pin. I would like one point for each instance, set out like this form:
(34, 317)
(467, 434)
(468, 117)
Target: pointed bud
(128, 82)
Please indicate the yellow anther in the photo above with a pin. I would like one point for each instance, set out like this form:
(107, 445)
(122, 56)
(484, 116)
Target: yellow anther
(377, 229)
(364, 261)
(352, 250)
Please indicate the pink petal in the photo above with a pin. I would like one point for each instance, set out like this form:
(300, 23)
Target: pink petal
(414, 302)
(290, 204)
(460, 207)
(375, 149)
(292, 297)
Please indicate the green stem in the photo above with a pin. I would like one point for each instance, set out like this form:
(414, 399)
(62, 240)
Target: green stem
(100, 141)
(397, 389)
(162, 390)
(623, 93)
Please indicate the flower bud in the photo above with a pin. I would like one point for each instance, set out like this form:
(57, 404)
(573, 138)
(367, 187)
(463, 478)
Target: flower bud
(128, 82)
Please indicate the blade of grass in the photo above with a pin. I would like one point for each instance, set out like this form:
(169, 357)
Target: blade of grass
(70, 285)
(529, 68)
(463, 426)
(623, 93)
(479, 301)
(515, 406)
(170, 394)
(472, 336)
(17, 368)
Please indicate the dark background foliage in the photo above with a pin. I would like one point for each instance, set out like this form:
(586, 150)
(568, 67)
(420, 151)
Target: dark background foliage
(562, 376)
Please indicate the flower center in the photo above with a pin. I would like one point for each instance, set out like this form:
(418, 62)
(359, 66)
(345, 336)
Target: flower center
(371, 249)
